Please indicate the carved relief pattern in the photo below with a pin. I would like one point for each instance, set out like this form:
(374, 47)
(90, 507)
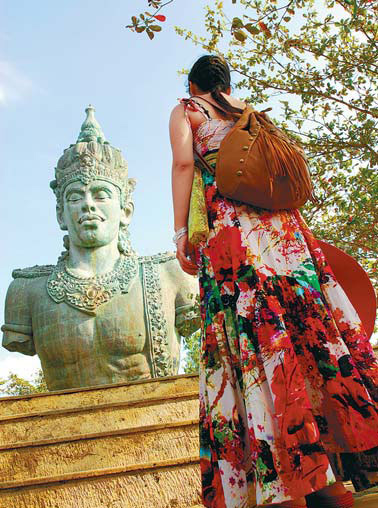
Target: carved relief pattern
(87, 294)
(158, 330)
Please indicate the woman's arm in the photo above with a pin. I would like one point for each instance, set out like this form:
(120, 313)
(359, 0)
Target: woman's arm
(182, 165)
(182, 179)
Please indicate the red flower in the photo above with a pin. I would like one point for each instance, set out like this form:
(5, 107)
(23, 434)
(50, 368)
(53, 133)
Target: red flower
(160, 17)
(212, 485)
(227, 253)
(210, 341)
(233, 453)
(264, 29)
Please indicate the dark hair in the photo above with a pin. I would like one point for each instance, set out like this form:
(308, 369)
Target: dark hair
(212, 74)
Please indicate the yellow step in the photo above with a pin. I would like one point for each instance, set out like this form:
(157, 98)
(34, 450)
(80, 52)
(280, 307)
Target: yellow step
(47, 425)
(126, 449)
(366, 500)
(131, 445)
(74, 399)
(167, 487)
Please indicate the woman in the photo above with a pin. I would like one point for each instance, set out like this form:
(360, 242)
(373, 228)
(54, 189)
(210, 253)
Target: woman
(288, 377)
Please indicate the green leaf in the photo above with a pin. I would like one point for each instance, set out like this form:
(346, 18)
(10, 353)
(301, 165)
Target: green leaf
(237, 23)
(150, 34)
(252, 29)
(240, 35)
(155, 28)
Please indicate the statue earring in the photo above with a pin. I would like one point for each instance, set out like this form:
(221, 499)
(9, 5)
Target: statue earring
(124, 244)
(66, 242)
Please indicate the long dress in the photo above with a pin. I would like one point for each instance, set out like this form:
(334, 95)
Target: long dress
(288, 378)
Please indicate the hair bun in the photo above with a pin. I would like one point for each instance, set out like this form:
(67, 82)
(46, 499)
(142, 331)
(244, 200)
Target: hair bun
(210, 72)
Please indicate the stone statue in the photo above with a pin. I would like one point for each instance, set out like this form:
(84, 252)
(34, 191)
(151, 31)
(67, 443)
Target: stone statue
(102, 314)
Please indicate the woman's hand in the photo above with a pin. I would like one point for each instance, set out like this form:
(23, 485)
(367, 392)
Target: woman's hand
(186, 255)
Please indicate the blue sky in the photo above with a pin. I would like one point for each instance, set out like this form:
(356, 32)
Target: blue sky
(56, 58)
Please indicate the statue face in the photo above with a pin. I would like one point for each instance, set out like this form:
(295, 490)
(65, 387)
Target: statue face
(92, 213)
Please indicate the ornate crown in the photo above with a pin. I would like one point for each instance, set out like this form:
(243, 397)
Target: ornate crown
(92, 157)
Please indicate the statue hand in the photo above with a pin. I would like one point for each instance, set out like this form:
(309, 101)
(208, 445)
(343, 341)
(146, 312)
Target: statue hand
(186, 256)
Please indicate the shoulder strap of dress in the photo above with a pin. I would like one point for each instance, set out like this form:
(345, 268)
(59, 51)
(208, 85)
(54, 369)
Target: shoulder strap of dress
(211, 104)
(195, 106)
(218, 107)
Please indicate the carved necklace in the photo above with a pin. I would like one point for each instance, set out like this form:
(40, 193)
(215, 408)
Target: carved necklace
(88, 293)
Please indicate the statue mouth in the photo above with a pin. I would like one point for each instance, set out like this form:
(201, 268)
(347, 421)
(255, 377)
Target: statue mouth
(90, 217)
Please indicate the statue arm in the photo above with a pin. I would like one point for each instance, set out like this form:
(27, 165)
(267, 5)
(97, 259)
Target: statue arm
(17, 329)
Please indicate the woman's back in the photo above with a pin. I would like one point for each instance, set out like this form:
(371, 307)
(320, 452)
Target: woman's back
(286, 371)
(208, 124)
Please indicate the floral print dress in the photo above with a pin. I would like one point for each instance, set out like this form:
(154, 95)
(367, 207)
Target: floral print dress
(288, 378)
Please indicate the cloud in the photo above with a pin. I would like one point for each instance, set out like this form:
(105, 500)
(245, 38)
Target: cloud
(23, 366)
(13, 84)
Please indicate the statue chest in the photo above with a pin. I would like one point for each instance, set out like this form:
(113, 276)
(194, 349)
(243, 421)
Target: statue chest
(64, 335)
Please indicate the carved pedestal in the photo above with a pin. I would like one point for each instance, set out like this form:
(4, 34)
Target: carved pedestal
(116, 446)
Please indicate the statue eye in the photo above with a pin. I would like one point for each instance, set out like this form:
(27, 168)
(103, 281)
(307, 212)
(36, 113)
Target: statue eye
(74, 196)
(101, 195)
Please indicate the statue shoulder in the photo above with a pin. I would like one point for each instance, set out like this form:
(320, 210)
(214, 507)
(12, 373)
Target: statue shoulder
(160, 258)
(33, 272)
(173, 273)
(28, 285)
(169, 268)
(168, 264)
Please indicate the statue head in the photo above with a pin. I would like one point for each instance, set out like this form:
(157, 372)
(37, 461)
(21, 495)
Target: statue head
(93, 191)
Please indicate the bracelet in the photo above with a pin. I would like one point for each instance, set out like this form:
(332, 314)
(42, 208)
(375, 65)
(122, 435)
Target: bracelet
(179, 234)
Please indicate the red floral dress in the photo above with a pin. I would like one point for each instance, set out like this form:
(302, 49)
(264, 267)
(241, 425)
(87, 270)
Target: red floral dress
(288, 378)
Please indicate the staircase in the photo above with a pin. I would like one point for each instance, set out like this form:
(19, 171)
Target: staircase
(117, 446)
(367, 499)
(131, 445)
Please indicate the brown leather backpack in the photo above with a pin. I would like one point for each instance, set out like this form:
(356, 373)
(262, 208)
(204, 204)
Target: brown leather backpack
(260, 165)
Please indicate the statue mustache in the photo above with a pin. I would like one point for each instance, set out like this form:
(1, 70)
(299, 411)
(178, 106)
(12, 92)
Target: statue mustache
(90, 216)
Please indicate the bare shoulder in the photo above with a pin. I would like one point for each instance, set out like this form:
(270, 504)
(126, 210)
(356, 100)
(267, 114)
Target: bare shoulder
(178, 112)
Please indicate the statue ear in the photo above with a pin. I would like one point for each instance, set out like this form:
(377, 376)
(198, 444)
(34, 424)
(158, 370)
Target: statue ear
(60, 219)
(127, 214)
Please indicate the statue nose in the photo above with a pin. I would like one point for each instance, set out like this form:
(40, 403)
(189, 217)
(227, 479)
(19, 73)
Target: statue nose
(88, 204)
